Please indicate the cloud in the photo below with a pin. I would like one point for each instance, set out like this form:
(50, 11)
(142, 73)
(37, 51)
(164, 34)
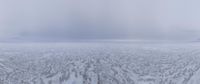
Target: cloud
(99, 19)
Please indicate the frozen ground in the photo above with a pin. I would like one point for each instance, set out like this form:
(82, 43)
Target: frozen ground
(100, 63)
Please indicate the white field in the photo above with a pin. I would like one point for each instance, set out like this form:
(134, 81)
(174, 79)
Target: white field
(100, 63)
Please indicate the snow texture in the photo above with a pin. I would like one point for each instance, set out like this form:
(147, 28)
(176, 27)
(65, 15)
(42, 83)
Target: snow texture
(99, 63)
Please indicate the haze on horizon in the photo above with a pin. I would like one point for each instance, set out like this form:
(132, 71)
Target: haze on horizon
(31, 20)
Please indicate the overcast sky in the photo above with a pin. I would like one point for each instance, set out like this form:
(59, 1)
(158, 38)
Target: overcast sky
(99, 19)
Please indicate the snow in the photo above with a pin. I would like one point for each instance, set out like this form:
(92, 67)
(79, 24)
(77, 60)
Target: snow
(100, 63)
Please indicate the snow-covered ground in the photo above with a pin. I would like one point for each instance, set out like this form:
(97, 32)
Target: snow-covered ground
(100, 63)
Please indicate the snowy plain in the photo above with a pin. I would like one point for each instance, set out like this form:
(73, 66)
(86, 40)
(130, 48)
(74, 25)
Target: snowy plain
(100, 63)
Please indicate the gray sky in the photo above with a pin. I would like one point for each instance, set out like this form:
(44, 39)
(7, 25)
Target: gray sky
(99, 19)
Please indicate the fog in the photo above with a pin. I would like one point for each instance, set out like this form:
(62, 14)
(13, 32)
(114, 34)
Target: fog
(62, 20)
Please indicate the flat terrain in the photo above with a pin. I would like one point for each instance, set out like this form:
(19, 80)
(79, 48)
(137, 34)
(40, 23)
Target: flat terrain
(100, 63)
